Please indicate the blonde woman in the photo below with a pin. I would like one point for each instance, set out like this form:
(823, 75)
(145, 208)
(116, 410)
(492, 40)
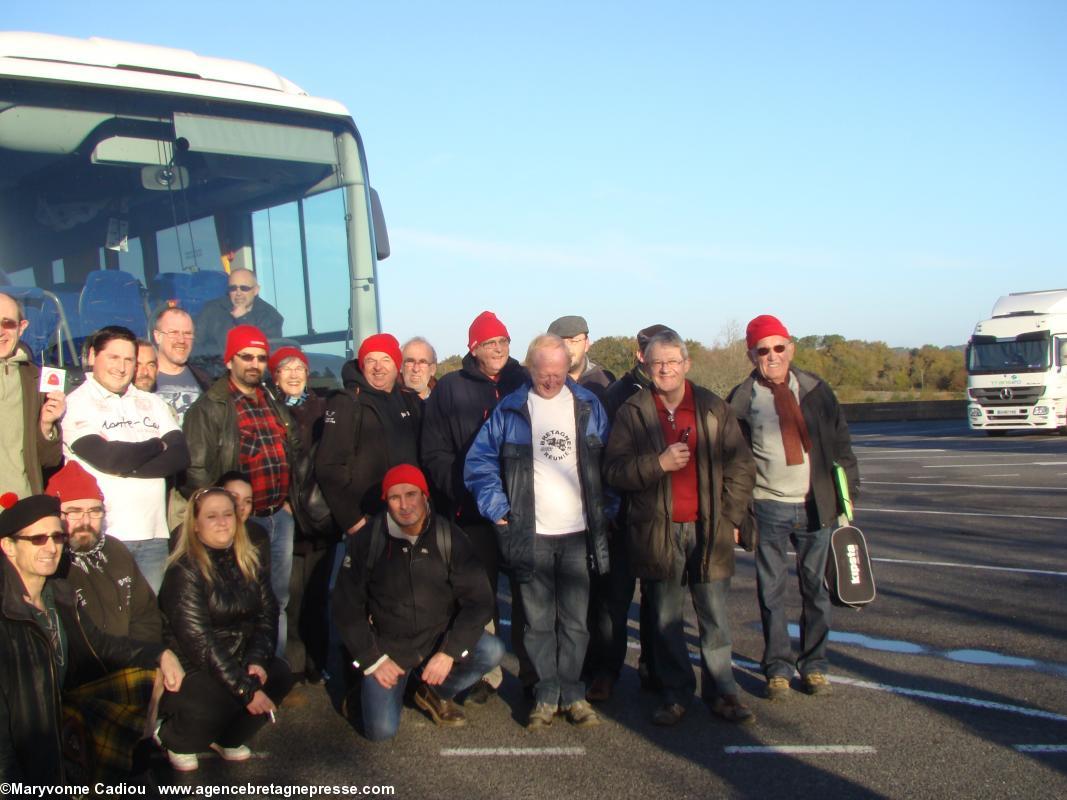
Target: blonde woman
(220, 616)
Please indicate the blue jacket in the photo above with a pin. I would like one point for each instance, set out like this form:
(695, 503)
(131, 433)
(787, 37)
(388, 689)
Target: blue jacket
(499, 473)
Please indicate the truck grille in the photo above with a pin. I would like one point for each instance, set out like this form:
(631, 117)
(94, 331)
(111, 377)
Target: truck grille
(1007, 395)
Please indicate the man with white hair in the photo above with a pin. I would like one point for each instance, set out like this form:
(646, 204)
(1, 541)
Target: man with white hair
(420, 366)
(534, 469)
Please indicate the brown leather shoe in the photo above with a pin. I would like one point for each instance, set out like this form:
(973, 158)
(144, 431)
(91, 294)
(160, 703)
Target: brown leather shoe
(443, 712)
(668, 714)
(731, 709)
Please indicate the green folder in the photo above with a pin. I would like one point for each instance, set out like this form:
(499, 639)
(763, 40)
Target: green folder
(844, 501)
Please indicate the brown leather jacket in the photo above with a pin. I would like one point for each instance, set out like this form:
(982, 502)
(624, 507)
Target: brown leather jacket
(726, 474)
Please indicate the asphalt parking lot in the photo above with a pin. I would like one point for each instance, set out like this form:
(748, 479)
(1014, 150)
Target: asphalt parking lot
(952, 684)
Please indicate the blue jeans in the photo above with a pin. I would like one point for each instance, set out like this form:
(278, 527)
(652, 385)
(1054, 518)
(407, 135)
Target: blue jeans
(556, 603)
(673, 667)
(779, 525)
(381, 707)
(151, 558)
(280, 527)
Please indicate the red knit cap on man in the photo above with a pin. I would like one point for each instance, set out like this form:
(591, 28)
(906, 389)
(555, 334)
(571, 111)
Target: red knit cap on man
(485, 326)
(244, 336)
(404, 473)
(73, 483)
(380, 343)
(763, 326)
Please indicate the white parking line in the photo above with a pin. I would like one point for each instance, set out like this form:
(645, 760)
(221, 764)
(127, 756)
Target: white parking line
(997, 464)
(868, 510)
(797, 749)
(1024, 570)
(951, 698)
(968, 485)
(482, 752)
(1041, 748)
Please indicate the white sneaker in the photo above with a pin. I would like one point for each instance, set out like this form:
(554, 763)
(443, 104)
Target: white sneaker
(183, 762)
(239, 753)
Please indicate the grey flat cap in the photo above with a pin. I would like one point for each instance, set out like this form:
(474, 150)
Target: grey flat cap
(566, 327)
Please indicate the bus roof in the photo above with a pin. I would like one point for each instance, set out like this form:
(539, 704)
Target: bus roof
(111, 63)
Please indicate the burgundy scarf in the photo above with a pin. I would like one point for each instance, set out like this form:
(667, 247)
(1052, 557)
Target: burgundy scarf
(795, 437)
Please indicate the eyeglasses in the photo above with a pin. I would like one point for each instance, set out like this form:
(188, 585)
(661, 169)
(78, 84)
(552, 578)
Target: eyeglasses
(41, 539)
(82, 513)
(671, 364)
(417, 362)
(248, 358)
(177, 334)
(9, 324)
(294, 368)
(240, 287)
(763, 351)
(500, 343)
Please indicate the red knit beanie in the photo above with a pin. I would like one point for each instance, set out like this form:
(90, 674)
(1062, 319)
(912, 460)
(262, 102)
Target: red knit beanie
(485, 326)
(74, 483)
(404, 473)
(763, 326)
(283, 354)
(380, 343)
(244, 336)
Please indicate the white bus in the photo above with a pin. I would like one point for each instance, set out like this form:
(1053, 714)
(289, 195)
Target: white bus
(131, 175)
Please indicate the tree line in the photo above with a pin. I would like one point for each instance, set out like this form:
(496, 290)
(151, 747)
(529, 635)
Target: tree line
(858, 371)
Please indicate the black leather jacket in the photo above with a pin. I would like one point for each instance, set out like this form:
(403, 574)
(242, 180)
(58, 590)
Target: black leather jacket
(30, 694)
(222, 627)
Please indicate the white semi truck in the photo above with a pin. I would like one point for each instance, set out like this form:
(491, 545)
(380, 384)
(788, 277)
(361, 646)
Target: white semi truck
(1017, 365)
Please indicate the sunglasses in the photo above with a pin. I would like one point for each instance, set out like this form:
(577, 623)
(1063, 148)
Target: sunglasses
(248, 358)
(41, 539)
(762, 351)
(241, 287)
(9, 324)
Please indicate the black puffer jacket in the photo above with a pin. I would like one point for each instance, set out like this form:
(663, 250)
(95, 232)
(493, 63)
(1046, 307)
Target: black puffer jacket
(365, 431)
(30, 749)
(458, 406)
(223, 627)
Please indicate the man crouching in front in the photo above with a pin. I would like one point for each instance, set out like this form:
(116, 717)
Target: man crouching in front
(412, 596)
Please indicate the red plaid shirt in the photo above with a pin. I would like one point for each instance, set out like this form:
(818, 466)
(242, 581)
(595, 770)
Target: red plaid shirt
(262, 452)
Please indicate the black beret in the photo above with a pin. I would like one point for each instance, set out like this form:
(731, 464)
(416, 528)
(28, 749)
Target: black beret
(19, 514)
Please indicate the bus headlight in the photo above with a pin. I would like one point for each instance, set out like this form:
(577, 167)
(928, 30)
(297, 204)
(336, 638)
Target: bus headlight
(1040, 411)
(975, 411)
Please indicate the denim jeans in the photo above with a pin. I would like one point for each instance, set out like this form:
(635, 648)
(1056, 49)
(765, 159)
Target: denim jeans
(556, 604)
(381, 707)
(280, 527)
(151, 558)
(610, 599)
(673, 667)
(779, 525)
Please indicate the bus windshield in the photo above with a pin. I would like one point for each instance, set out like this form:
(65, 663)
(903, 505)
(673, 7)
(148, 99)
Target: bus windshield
(116, 200)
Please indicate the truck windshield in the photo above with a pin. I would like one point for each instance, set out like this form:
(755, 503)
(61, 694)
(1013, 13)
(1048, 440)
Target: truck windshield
(1008, 355)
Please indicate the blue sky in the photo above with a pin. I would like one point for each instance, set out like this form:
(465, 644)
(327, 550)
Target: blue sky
(881, 170)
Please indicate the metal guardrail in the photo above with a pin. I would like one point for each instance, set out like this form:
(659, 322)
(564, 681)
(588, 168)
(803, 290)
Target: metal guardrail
(905, 411)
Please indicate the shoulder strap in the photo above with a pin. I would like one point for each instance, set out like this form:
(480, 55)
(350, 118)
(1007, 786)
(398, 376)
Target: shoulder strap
(377, 545)
(443, 534)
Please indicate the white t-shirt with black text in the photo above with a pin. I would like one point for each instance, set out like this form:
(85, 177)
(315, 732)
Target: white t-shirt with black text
(558, 507)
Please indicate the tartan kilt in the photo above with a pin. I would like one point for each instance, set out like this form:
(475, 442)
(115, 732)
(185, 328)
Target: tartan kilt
(105, 719)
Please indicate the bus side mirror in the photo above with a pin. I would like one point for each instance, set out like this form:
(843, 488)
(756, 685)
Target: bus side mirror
(381, 233)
